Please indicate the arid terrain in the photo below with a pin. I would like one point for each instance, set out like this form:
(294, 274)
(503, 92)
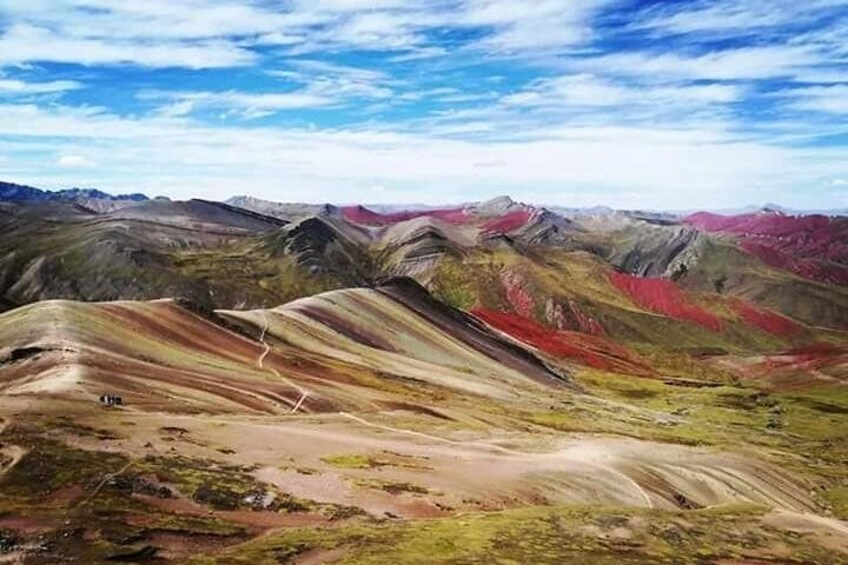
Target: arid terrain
(493, 382)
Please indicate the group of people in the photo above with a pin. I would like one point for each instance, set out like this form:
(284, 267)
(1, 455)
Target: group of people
(111, 400)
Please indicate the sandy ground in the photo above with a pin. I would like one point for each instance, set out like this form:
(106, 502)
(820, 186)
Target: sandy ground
(429, 475)
(459, 472)
(828, 532)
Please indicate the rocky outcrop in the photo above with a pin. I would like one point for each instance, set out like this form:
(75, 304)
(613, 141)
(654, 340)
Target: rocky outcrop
(656, 251)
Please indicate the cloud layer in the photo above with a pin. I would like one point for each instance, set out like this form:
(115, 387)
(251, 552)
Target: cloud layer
(706, 103)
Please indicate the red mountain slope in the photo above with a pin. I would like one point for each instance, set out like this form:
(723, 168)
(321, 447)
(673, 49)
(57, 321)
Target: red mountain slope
(766, 320)
(664, 297)
(508, 222)
(814, 247)
(362, 215)
(590, 350)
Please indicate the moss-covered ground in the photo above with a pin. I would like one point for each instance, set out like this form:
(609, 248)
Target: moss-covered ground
(580, 535)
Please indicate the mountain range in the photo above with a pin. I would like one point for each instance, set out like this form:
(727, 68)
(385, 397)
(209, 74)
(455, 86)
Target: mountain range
(301, 379)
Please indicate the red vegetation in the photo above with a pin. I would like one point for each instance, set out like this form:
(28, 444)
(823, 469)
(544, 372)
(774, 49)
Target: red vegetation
(590, 350)
(815, 246)
(508, 222)
(766, 320)
(364, 216)
(664, 297)
(807, 268)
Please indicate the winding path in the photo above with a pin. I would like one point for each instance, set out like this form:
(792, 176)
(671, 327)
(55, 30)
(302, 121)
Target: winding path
(422, 435)
(260, 363)
(14, 452)
(108, 477)
(497, 448)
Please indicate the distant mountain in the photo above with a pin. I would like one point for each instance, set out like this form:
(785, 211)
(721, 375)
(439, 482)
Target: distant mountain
(499, 255)
(812, 246)
(11, 192)
(282, 210)
(19, 192)
(768, 207)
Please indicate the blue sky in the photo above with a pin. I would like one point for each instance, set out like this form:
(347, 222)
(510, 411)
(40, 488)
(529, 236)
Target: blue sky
(648, 104)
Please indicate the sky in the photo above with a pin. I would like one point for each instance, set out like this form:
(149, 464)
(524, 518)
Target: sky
(627, 103)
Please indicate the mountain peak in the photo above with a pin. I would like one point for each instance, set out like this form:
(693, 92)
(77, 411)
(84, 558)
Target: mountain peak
(503, 200)
(495, 206)
(774, 209)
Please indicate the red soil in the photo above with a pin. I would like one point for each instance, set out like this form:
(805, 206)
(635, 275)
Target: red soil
(262, 520)
(766, 320)
(362, 215)
(803, 367)
(815, 246)
(590, 350)
(664, 297)
(507, 222)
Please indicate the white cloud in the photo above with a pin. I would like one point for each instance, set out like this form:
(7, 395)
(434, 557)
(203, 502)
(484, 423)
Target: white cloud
(195, 34)
(339, 82)
(146, 19)
(16, 87)
(323, 85)
(666, 168)
(221, 33)
(827, 99)
(729, 64)
(575, 102)
(73, 161)
(734, 15)
(667, 120)
(23, 44)
(805, 41)
(589, 90)
(530, 26)
(244, 104)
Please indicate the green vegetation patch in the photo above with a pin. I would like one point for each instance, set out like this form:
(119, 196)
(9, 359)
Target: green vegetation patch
(360, 461)
(351, 461)
(50, 465)
(221, 486)
(391, 487)
(738, 417)
(837, 498)
(580, 535)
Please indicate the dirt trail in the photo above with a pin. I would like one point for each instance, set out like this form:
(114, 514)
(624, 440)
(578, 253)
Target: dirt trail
(476, 444)
(108, 477)
(505, 450)
(644, 473)
(14, 452)
(260, 363)
(803, 522)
